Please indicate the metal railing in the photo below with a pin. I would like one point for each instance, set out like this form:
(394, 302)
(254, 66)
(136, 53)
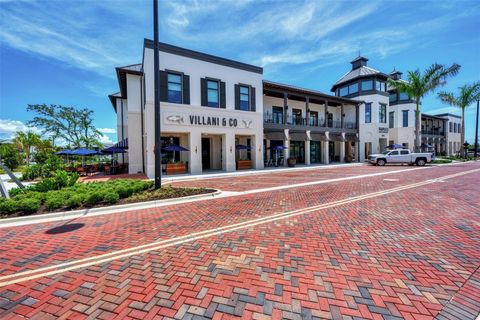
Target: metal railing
(301, 121)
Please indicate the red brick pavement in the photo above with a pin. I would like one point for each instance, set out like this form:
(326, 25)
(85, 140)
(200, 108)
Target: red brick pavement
(279, 178)
(399, 255)
(29, 247)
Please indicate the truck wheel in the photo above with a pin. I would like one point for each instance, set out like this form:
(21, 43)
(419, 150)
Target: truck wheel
(420, 162)
(380, 162)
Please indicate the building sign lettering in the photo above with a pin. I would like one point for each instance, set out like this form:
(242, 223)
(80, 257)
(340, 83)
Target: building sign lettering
(213, 121)
(382, 130)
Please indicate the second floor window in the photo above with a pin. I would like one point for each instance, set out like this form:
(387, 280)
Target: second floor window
(380, 86)
(391, 119)
(368, 112)
(382, 114)
(393, 97)
(450, 127)
(212, 94)
(174, 88)
(313, 118)
(367, 85)
(297, 116)
(277, 113)
(405, 118)
(244, 98)
(404, 96)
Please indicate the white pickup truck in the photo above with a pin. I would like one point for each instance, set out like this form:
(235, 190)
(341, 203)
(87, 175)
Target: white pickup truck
(400, 156)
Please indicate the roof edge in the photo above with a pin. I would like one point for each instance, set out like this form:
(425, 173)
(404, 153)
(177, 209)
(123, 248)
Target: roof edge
(168, 48)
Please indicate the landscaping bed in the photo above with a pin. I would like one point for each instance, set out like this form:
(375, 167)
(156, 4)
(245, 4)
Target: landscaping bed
(441, 161)
(73, 196)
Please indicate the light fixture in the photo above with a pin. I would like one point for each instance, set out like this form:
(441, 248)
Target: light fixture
(195, 149)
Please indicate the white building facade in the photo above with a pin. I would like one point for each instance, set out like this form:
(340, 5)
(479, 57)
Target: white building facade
(387, 116)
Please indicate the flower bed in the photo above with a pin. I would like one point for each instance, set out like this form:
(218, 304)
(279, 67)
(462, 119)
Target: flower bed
(88, 195)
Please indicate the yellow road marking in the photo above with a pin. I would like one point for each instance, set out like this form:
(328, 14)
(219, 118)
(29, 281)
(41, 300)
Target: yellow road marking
(119, 254)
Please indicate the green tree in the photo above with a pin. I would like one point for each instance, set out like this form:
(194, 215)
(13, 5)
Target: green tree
(25, 141)
(466, 96)
(10, 156)
(74, 126)
(418, 85)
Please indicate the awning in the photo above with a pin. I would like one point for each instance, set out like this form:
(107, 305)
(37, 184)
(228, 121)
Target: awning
(352, 137)
(335, 137)
(318, 136)
(275, 135)
(298, 136)
(122, 144)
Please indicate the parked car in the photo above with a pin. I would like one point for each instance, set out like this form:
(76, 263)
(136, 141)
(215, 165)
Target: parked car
(400, 156)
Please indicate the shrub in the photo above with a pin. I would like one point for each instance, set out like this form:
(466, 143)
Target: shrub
(74, 201)
(110, 197)
(93, 198)
(8, 206)
(54, 201)
(28, 205)
(32, 172)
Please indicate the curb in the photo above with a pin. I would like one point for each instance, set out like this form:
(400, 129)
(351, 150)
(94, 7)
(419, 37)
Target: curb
(253, 172)
(37, 218)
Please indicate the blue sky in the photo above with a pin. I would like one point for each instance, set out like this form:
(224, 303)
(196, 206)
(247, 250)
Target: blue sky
(65, 52)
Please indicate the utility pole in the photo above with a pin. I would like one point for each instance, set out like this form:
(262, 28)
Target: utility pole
(476, 130)
(156, 103)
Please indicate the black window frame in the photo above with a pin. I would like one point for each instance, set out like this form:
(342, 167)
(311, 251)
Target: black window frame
(218, 92)
(249, 103)
(180, 75)
(369, 113)
(382, 110)
(405, 114)
(391, 119)
(364, 81)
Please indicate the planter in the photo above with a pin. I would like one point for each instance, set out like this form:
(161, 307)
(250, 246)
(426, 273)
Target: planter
(244, 164)
(291, 162)
(176, 168)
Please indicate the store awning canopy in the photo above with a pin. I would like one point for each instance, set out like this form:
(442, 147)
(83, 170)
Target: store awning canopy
(113, 150)
(65, 152)
(351, 137)
(122, 144)
(335, 137)
(278, 148)
(275, 135)
(298, 136)
(318, 136)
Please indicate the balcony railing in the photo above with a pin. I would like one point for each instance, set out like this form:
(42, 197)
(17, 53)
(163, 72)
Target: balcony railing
(433, 132)
(301, 121)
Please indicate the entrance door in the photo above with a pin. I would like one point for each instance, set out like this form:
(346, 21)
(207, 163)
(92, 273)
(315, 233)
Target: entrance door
(331, 151)
(315, 152)
(383, 144)
(205, 153)
(368, 149)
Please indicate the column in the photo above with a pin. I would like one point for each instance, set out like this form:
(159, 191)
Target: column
(307, 109)
(342, 116)
(326, 113)
(307, 152)
(357, 152)
(325, 152)
(195, 153)
(285, 108)
(257, 151)
(286, 152)
(228, 147)
(267, 149)
(357, 116)
(342, 151)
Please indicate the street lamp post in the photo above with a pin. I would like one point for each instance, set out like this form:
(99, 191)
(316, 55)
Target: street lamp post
(476, 130)
(156, 103)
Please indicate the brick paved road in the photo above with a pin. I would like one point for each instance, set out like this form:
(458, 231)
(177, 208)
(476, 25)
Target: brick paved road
(398, 255)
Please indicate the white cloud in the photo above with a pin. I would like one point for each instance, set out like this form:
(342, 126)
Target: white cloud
(8, 128)
(105, 139)
(107, 130)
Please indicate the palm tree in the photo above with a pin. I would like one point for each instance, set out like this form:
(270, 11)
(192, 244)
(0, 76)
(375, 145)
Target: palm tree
(418, 85)
(25, 141)
(467, 95)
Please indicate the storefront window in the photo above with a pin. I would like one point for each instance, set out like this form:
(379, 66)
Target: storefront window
(368, 112)
(297, 150)
(382, 114)
(405, 118)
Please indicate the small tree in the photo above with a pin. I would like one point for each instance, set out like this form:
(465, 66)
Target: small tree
(418, 85)
(466, 96)
(26, 141)
(74, 126)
